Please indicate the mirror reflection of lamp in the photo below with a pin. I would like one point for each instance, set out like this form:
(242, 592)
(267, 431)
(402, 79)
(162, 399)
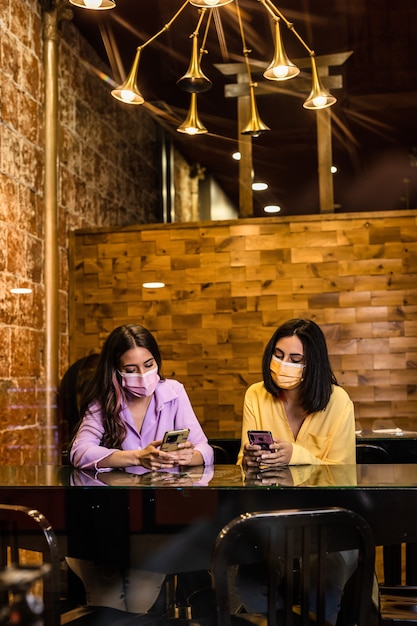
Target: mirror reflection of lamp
(209, 3)
(94, 5)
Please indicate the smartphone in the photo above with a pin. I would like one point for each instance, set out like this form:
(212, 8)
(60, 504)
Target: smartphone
(173, 437)
(260, 438)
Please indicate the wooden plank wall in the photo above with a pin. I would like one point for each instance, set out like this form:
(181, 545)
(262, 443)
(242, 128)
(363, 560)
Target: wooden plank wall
(230, 284)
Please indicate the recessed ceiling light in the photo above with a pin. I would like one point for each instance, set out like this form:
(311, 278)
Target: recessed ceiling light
(153, 285)
(20, 290)
(259, 186)
(272, 208)
(236, 156)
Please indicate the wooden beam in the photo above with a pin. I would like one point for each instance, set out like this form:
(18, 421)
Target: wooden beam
(290, 87)
(325, 60)
(240, 90)
(245, 149)
(325, 160)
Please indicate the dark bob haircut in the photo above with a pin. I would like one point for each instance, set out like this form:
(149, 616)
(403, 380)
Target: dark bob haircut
(318, 376)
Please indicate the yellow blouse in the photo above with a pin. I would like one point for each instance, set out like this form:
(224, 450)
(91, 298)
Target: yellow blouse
(325, 437)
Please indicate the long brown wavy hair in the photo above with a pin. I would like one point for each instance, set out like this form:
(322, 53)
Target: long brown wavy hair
(105, 386)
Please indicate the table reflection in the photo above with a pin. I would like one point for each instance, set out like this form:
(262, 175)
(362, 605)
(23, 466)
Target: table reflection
(303, 475)
(233, 477)
(227, 476)
(174, 477)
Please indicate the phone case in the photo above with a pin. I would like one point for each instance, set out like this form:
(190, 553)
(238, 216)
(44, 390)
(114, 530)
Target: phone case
(260, 438)
(173, 438)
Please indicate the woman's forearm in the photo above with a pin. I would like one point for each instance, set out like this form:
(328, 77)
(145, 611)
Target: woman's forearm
(121, 458)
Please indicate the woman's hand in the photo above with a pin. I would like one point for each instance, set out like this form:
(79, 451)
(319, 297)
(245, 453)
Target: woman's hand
(184, 453)
(279, 454)
(251, 454)
(153, 458)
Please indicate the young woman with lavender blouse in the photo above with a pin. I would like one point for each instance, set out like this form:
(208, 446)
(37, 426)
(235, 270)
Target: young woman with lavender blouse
(125, 411)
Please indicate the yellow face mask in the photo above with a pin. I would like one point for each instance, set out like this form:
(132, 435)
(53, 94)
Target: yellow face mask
(286, 375)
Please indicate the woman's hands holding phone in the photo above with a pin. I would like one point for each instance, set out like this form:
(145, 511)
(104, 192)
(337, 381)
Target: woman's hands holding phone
(278, 454)
(153, 458)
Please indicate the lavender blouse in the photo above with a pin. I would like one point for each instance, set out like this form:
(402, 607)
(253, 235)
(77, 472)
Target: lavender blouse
(169, 409)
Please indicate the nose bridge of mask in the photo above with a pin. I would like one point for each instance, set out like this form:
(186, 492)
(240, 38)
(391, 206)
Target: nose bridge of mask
(136, 375)
(282, 365)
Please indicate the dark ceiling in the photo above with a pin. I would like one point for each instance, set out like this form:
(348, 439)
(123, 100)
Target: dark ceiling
(374, 122)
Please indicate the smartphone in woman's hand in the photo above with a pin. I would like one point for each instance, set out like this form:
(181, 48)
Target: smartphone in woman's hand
(262, 438)
(173, 437)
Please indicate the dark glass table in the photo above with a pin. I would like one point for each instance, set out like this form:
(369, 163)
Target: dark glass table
(90, 510)
(168, 521)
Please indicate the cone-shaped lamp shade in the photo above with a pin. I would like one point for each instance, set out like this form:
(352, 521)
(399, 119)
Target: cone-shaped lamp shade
(209, 3)
(319, 97)
(194, 81)
(255, 126)
(281, 67)
(192, 124)
(128, 91)
(94, 5)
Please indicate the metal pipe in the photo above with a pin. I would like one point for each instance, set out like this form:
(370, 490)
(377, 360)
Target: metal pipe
(49, 444)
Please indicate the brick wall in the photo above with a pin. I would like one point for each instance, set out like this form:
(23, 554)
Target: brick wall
(230, 284)
(108, 176)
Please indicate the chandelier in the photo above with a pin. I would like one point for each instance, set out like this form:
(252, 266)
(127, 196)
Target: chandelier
(194, 80)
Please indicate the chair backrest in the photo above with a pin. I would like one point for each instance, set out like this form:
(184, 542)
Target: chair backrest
(371, 453)
(24, 531)
(221, 456)
(71, 389)
(228, 449)
(295, 534)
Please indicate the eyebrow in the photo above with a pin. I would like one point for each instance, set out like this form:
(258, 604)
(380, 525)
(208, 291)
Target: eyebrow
(136, 365)
(291, 353)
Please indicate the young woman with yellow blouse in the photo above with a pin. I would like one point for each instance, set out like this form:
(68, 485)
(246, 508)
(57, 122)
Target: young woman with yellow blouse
(312, 422)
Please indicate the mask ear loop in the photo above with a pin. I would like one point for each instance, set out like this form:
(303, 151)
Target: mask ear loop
(117, 378)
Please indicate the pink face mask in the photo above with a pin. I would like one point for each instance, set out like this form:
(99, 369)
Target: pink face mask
(285, 374)
(140, 385)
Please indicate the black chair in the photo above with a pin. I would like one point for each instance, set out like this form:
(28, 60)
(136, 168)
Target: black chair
(221, 456)
(294, 536)
(367, 453)
(72, 385)
(397, 606)
(228, 449)
(398, 592)
(371, 453)
(29, 592)
(398, 599)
